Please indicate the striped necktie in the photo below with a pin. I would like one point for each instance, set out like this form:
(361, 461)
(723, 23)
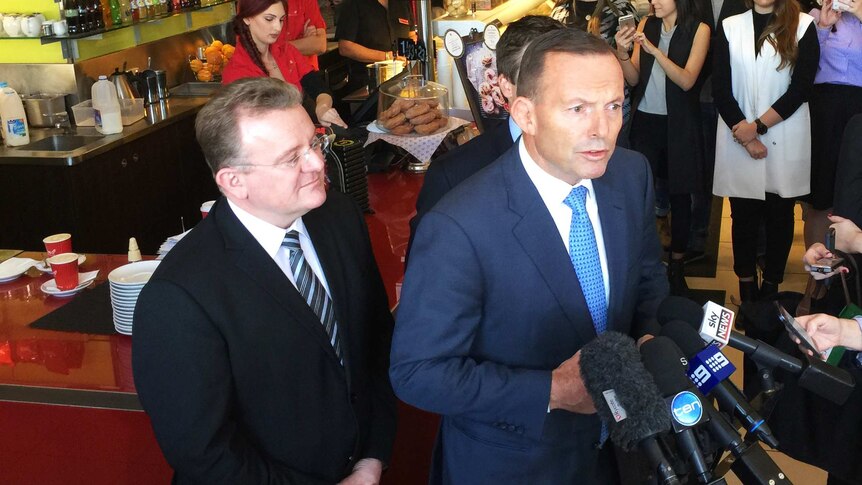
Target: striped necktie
(312, 290)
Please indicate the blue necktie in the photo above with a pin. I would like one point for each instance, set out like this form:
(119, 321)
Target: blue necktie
(585, 258)
(312, 290)
(584, 254)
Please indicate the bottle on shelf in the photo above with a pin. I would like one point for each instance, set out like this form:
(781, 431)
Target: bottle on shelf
(114, 7)
(73, 21)
(83, 17)
(125, 12)
(134, 11)
(105, 9)
(13, 118)
(176, 5)
(106, 107)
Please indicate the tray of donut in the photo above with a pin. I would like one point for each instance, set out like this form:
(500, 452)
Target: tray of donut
(413, 107)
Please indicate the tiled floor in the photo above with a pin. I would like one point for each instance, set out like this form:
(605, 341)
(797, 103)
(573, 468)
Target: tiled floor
(795, 279)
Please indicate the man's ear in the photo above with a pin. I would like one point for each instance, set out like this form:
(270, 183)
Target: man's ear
(506, 87)
(523, 111)
(232, 182)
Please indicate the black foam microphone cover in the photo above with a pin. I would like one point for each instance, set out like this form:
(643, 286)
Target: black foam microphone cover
(611, 361)
(679, 308)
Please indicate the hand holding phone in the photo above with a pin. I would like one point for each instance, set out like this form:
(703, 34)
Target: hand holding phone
(797, 330)
(627, 21)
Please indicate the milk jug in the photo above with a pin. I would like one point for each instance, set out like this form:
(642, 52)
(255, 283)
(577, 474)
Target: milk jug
(13, 118)
(106, 107)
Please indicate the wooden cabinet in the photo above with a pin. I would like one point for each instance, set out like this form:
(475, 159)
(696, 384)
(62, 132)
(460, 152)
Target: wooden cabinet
(146, 189)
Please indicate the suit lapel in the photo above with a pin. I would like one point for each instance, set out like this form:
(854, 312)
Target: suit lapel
(615, 235)
(250, 257)
(537, 235)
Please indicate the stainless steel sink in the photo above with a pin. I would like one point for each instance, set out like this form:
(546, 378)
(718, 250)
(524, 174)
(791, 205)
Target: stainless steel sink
(195, 88)
(60, 143)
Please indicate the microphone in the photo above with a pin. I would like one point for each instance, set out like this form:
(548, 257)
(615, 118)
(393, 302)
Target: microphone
(714, 324)
(710, 367)
(626, 398)
(686, 407)
(750, 463)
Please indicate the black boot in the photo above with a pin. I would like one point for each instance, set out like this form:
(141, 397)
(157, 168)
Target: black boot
(748, 293)
(767, 290)
(676, 277)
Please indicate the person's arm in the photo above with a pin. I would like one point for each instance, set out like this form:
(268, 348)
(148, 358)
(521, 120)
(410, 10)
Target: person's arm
(828, 331)
(439, 318)
(313, 40)
(629, 58)
(801, 80)
(722, 88)
(653, 285)
(357, 52)
(312, 84)
(684, 77)
(848, 236)
(185, 384)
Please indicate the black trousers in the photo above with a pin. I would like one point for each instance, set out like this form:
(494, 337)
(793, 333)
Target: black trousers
(747, 214)
(649, 136)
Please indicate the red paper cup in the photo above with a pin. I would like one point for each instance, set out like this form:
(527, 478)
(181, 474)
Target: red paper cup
(65, 268)
(58, 244)
(205, 208)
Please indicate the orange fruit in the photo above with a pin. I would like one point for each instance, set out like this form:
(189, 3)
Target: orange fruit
(217, 44)
(212, 49)
(196, 65)
(215, 58)
(227, 51)
(204, 75)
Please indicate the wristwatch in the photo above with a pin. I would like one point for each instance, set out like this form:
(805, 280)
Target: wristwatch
(761, 127)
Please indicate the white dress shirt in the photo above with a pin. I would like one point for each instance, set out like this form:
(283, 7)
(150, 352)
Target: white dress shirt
(270, 238)
(553, 192)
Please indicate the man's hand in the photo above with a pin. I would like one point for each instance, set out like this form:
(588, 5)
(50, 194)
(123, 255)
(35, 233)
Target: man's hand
(567, 388)
(815, 252)
(366, 472)
(756, 149)
(827, 331)
(327, 115)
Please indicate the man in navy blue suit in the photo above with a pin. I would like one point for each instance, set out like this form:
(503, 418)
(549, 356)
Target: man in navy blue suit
(521, 265)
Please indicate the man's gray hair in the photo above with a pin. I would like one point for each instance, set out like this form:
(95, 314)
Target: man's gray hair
(217, 124)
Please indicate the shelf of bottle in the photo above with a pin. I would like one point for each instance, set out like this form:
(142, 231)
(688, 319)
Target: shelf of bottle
(98, 32)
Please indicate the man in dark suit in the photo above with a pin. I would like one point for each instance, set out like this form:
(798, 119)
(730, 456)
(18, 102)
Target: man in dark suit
(507, 280)
(261, 342)
(459, 164)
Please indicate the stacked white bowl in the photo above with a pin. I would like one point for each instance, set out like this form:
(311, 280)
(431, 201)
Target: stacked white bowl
(126, 282)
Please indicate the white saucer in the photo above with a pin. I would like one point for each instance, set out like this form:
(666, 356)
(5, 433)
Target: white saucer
(44, 267)
(133, 273)
(85, 279)
(13, 268)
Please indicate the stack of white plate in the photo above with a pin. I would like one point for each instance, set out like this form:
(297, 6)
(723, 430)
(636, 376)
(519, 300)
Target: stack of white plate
(126, 284)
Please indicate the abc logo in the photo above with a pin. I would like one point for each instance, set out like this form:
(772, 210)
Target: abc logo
(686, 408)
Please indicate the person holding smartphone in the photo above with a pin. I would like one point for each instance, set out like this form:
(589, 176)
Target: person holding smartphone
(669, 52)
(837, 97)
(827, 331)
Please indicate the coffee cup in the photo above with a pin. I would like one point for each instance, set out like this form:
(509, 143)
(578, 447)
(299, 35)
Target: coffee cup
(31, 25)
(58, 244)
(205, 208)
(12, 25)
(65, 268)
(61, 27)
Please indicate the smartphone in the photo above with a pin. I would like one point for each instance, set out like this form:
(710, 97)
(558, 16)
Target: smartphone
(796, 329)
(827, 265)
(627, 20)
(837, 5)
(830, 239)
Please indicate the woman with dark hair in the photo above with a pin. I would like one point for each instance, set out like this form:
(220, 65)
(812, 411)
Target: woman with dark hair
(258, 24)
(765, 62)
(837, 96)
(665, 65)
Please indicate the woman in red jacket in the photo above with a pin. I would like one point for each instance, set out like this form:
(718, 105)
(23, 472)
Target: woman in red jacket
(257, 25)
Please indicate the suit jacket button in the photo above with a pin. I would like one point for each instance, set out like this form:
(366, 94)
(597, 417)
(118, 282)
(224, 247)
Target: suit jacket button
(510, 427)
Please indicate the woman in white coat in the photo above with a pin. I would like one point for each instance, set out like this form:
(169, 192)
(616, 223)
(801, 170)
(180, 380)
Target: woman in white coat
(765, 62)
